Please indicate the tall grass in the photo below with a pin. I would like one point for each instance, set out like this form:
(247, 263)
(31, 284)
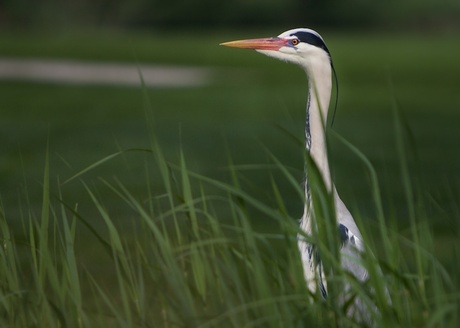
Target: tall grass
(189, 255)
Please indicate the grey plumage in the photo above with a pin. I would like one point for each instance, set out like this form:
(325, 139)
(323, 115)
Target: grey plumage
(307, 49)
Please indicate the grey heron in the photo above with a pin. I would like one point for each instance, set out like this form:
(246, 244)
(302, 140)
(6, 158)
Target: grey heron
(307, 49)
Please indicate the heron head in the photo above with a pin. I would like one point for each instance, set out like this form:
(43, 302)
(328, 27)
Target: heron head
(300, 46)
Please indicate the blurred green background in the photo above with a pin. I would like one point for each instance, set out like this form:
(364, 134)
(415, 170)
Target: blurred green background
(214, 14)
(384, 53)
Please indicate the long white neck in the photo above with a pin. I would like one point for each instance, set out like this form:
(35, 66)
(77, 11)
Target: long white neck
(319, 94)
(319, 85)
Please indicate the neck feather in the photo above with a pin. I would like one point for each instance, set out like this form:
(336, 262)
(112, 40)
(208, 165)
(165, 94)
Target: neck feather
(319, 87)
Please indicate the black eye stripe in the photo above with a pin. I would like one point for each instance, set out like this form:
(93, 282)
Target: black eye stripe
(312, 39)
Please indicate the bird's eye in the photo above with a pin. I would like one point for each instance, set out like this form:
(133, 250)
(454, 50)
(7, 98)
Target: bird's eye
(294, 42)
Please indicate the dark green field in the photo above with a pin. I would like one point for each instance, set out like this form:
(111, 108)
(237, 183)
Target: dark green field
(239, 112)
(251, 110)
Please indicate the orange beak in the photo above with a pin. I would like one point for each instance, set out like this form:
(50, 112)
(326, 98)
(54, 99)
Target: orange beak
(258, 44)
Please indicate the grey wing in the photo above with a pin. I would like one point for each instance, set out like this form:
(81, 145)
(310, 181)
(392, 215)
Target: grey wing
(351, 249)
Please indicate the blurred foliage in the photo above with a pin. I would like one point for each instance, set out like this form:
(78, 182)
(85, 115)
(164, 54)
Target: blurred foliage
(200, 13)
